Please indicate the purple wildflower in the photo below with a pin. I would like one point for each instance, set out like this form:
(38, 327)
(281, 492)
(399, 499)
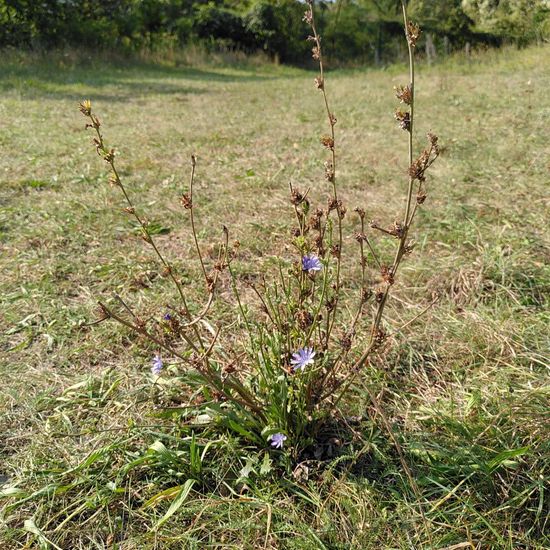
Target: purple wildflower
(167, 317)
(311, 263)
(277, 440)
(157, 365)
(302, 358)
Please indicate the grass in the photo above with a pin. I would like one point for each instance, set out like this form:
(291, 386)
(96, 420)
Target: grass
(88, 458)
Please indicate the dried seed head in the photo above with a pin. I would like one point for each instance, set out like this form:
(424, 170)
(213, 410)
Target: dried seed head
(330, 304)
(396, 229)
(433, 139)
(332, 119)
(335, 250)
(387, 274)
(403, 119)
(409, 247)
(366, 295)
(319, 83)
(315, 219)
(186, 201)
(328, 142)
(360, 237)
(379, 336)
(341, 210)
(318, 242)
(333, 204)
(345, 342)
(413, 33)
(379, 294)
(110, 156)
(308, 16)
(316, 52)
(329, 171)
(210, 283)
(85, 107)
(404, 94)
(421, 197)
(296, 197)
(360, 212)
(304, 319)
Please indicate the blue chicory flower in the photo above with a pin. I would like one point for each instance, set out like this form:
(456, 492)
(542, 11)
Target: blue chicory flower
(277, 440)
(167, 317)
(157, 365)
(302, 358)
(311, 263)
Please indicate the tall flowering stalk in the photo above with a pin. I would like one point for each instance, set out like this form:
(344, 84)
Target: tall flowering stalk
(399, 230)
(329, 141)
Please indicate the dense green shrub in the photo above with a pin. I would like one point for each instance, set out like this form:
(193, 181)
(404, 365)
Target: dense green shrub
(359, 30)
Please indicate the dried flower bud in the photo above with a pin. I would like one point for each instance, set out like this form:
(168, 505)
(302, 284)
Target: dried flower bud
(186, 201)
(345, 342)
(85, 107)
(316, 53)
(335, 250)
(413, 33)
(315, 219)
(129, 210)
(333, 204)
(403, 119)
(328, 142)
(319, 83)
(296, 197)
(110, 156)
(404, 94)
(379, 294)
(366, 295)
(330, 304)
(304, 319)
(308, 16)
(420, 198)
(396, 229)
(210, 283)
(409, 247)
(329, 171)
(433, 139)
(387, 274)
(332, 119)
(379, 336)
(318, 242)
(360, 212)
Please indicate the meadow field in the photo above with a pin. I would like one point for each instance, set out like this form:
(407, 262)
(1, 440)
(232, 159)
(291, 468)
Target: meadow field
(89, 457)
